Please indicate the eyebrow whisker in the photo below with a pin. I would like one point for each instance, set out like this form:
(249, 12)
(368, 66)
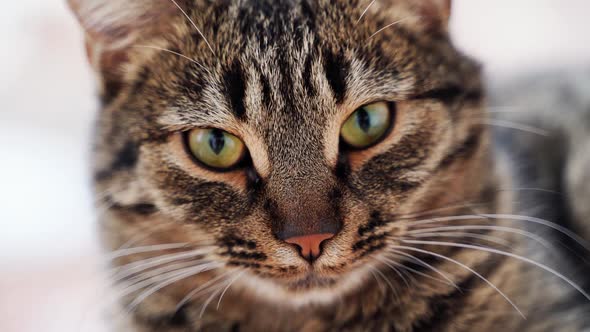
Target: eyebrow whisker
(171, 52)
(365, 11)
(392, 24)
(194, 25)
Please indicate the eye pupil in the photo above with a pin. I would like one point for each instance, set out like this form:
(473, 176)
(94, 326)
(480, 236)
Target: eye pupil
(215, 148)
(367, 125)
(364, 120)
(217, 141)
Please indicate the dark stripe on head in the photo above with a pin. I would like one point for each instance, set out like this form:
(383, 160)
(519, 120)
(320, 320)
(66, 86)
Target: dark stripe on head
(336, 69)
(287, 83)
(308, 81)
(266, 90)
(125, 159)
(235, 86)
(309, 13)
(140, 81)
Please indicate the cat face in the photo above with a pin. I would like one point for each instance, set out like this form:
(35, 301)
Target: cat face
(286, 141)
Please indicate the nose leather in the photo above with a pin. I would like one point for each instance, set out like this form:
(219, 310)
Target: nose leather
(310, 245)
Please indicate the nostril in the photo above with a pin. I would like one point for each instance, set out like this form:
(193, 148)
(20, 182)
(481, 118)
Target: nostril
(310, 245)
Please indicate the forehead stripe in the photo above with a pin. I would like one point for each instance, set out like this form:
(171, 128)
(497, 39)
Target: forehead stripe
(308, 78)
(235, 88)
(336, 69)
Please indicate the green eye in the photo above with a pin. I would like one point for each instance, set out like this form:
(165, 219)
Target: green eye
(367, 125)
(215, 148)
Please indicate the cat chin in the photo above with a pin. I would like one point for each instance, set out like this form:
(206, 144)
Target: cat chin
(306, 291)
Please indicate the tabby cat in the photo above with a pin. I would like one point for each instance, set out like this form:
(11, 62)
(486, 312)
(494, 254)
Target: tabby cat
(323, 165)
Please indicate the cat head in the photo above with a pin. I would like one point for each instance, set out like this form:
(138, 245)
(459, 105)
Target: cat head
(284, 140)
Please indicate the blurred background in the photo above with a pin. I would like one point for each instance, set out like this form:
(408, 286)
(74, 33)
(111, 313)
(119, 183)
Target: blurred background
(49, 258)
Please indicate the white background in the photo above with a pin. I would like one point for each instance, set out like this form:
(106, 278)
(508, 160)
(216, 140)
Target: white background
(48, 254)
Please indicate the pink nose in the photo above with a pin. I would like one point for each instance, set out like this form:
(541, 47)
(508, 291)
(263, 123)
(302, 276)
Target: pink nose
(310, 245)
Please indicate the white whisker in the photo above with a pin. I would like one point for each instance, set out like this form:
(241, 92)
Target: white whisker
(543, 222)
(491, 239)
(158, 272)
(423, 263)
(194, 25)
(394, 270)
(446, 208)
(517, 126)
(137, 250)
(532, 189)
(365, 11)
(517, 231)
(146, 282)
(169, 281)
(171, 52)
(468, 269)
(391, 24)
(142, 235)
(509, 217)
(206, 303)
(504, 253)
(206, 285)
(228, 286)
(379, 283)
(138, 266)
(506, 109)
(379, 273)
(411, 270)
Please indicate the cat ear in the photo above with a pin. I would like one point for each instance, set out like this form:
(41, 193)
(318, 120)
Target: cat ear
(424, 15)
(118, 22)
(435, 14)
(112, 27)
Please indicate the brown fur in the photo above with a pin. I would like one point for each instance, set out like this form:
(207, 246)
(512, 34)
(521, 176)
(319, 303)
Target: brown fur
(283, 76)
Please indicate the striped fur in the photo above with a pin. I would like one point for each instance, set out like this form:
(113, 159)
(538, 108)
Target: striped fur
(283, 76)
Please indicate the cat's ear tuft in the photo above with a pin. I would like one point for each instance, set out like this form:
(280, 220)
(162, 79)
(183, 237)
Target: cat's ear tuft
(117, 22)
(421, 15)
(112, 28)
(435, 13)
